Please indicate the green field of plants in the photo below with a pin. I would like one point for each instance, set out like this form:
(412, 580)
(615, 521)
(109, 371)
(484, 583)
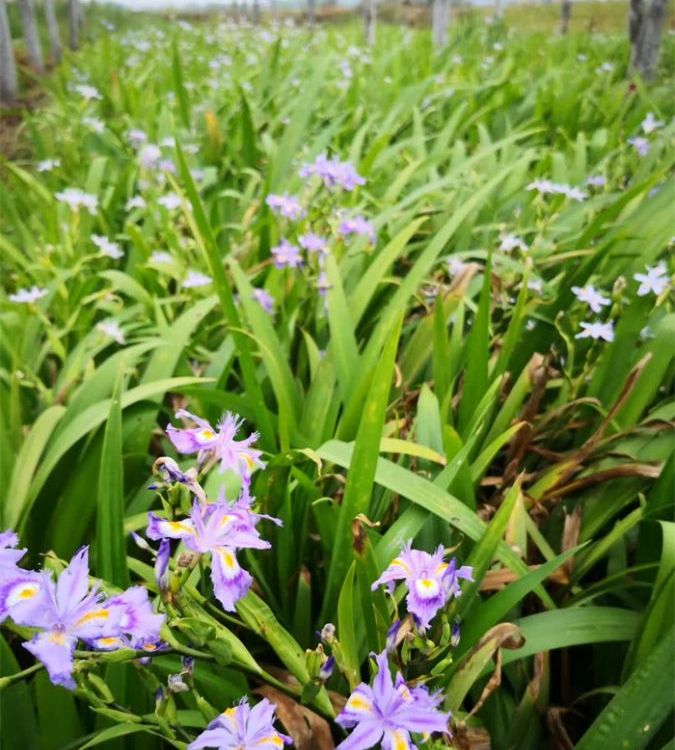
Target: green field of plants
(336, 391)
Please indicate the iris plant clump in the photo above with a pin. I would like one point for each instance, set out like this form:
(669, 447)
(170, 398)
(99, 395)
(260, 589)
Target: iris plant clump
(60, 614)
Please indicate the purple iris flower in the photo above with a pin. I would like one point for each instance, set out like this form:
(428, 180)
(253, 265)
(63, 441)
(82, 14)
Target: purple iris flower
(264, 299)
(236, 455)
(359, 226)
(19, 589)
(286, 255)
(333, 172)
(285, 205)
(243, 728)
(66, 611)
(313, 243)
(389, 711)
(431, 581)
(136, 624)
(640, 144)
(220, 529)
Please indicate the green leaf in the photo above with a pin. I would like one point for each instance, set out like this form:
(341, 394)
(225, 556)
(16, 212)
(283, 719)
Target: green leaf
(361, 471)
(111, 559)
(638, 710)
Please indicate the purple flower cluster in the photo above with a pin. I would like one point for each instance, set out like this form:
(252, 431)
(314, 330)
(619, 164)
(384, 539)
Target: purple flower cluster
(219, 443)
(430, 580)
(67, 611)
(219, 529)
(389, 712)
(285, 205)
(333, 173)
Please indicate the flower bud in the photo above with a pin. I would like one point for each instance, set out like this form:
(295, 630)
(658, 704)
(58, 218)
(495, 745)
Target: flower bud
(327, 669)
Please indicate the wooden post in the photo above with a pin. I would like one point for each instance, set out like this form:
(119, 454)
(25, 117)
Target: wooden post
(9, 86)
(311, 13)
(30, 35)
(53, 30)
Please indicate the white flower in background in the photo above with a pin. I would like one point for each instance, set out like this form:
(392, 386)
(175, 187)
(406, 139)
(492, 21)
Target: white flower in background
(136, 137)
(46, 165)
(591, 296)
(573, 193)
(111, 329)
(107, 247)
(597, 181)
(535, 285)
(149, 155)
(455, 266)
(581, 57)
(544, 187)
(28, 296)
(650, 124)
(195, 279)
(606, 67)
(597, 331)
(511, 242)
(93, 123)
(87, 91)
(137, 201)
(77, 199)
(655, 281)
(171, 201)
(169, 142)
(161, 257)
(640, 144)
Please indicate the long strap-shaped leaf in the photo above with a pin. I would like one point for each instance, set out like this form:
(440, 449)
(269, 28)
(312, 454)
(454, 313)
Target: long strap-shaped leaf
(362, 472)
(203, 233)
(639, 709)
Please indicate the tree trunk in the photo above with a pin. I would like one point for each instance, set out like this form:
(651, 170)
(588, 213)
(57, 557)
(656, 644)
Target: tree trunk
(438, 23)
(499, 11)
(635, 16)
(53, 29)
(8, 82)
(370, 19)
(565, 14)
(311, 13)
(73, 24)
(30, 35)
(256, 12)
(645, 52)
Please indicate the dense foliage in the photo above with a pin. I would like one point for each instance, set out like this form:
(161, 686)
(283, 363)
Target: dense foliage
(437, 287)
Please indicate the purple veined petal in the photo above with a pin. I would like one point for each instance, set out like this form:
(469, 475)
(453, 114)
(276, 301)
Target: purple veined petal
(398, 569)
(162, 528)
(55, 650)
(422, 719)
(230, 581)
(73, 584)
(465, 572)
(397, 739)
(383, 685)
(366, 735)
(217, 737)
(359, 706)
(132, 614)
(26, 598)
(424, 603)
